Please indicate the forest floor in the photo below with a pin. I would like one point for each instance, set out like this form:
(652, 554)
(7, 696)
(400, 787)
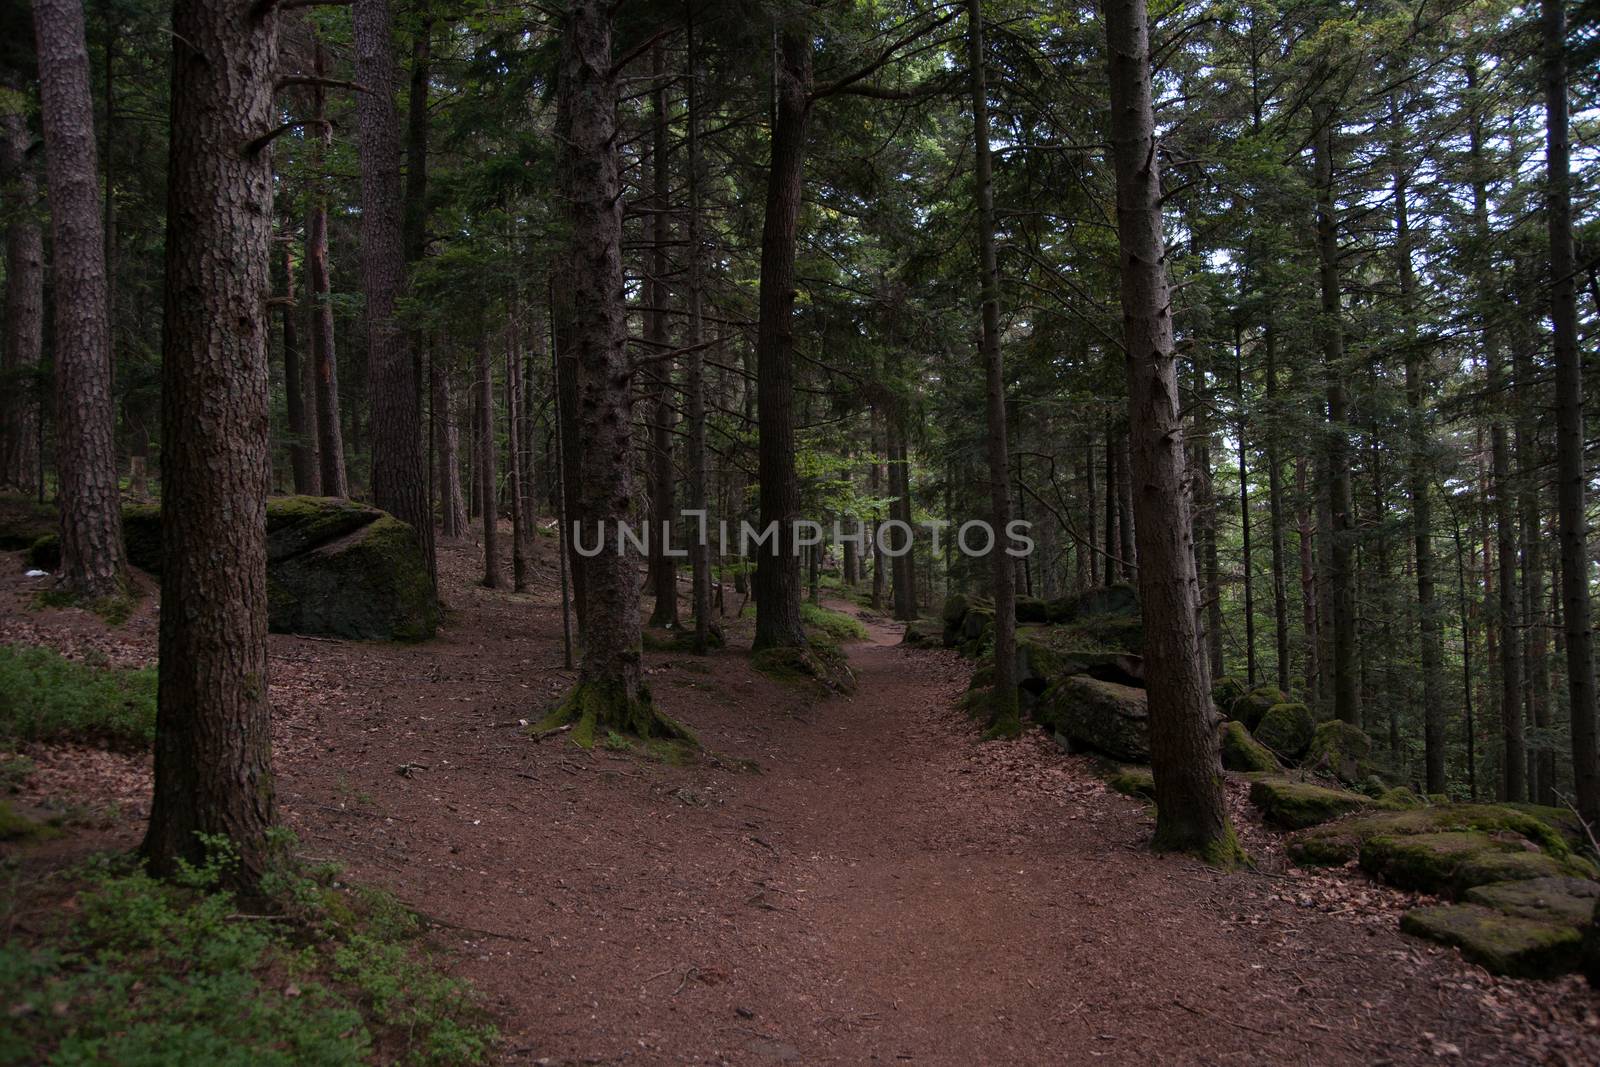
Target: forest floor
(845, 880)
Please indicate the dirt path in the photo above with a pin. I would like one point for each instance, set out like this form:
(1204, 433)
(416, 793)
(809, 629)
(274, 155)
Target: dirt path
(884, 889)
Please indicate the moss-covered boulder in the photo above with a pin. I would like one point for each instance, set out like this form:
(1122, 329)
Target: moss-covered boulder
(1503, 944)
(1341, 750)
(955, 608)
(1101, 716)
(976, 623)
(1398, 799)
(1570, 901)
(1293, 805)
(334, 568)
(1116, 599)
(370, 583)
(1341, 842)
(1133, 782)
(923, 632)
(1241, 752)
(1252, 706)
(1430, 863)
(1286, 729)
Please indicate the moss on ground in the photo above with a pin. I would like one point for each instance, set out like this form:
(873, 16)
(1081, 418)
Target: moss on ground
(1342, 841)
(819, 664)
(1503, 944)
(593, 712)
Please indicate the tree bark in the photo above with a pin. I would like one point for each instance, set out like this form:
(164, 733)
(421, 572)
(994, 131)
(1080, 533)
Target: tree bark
(1341, 507)
(1183, 737)
(483, 390)
(694, 371)
(447, 450)
(24, 327)
(324, 362)
(213, 753)
(777, 582)
(514, 417)
(92, 560)
(663, 497)
(302, 437)
(1275, 509)
(1244, 518)
(1003, 719)
(611, 693)
(1431, 652)
(399, 474)
(1570, 475)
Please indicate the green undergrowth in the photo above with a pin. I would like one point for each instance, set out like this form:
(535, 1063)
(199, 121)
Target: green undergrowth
(46, 697)
(114, 610)
(835, 625)
(141, 972)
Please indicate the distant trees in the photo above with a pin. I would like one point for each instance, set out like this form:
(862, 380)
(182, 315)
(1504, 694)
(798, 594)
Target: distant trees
(24, 299)
(92, 562)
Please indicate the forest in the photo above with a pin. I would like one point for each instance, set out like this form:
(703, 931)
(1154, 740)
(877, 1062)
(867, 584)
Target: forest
(704, 530)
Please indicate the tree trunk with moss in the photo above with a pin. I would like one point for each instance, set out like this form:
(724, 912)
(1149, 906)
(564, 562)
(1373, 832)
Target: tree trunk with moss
(611, 694)
(92, 561)
(1183, 738)
(213, 752)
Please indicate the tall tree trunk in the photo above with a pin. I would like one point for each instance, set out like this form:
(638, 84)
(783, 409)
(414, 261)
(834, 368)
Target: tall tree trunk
(302, 453)
(324, 362)
(1428, 619)
(611, 693)
(1183, 740)
(1113, 496)
(777, 585)
(901, 568)
(24, 328)
(874, 482)
(514, 480)
(399, 474)
(694, 369)
(1514, 758)
(1310, 594)
(1341, 507)
(1004, 718)
(1244, 518)
(92, 560)
(213, 751)
(1570, 475)
(447, 452)
(1275, 509)
(483, 390)
(663, 497)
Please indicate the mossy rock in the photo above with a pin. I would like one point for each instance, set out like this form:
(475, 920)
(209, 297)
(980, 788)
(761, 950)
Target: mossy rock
(976, 623)
(658, 639)
(1286, 729)
(1342, 841)
(817, 663)
(369, 584)
(1241, 752)
(45, 553)
(1502, 944)
(1431, 863)
(1292, 805)
(955, 608)
(1225, 690)
(23, 520)
(1134, 782)
(1563, 820)
(1519, 866)
(1340, 749)
(1398, 799)
(334, 568)
(924, 633)
(1103, 716)
(1254, 705)
(1568, 901)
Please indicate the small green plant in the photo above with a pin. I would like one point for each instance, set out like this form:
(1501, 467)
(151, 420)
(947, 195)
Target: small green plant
(152, 972)
(46, 697)
(835, 625)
